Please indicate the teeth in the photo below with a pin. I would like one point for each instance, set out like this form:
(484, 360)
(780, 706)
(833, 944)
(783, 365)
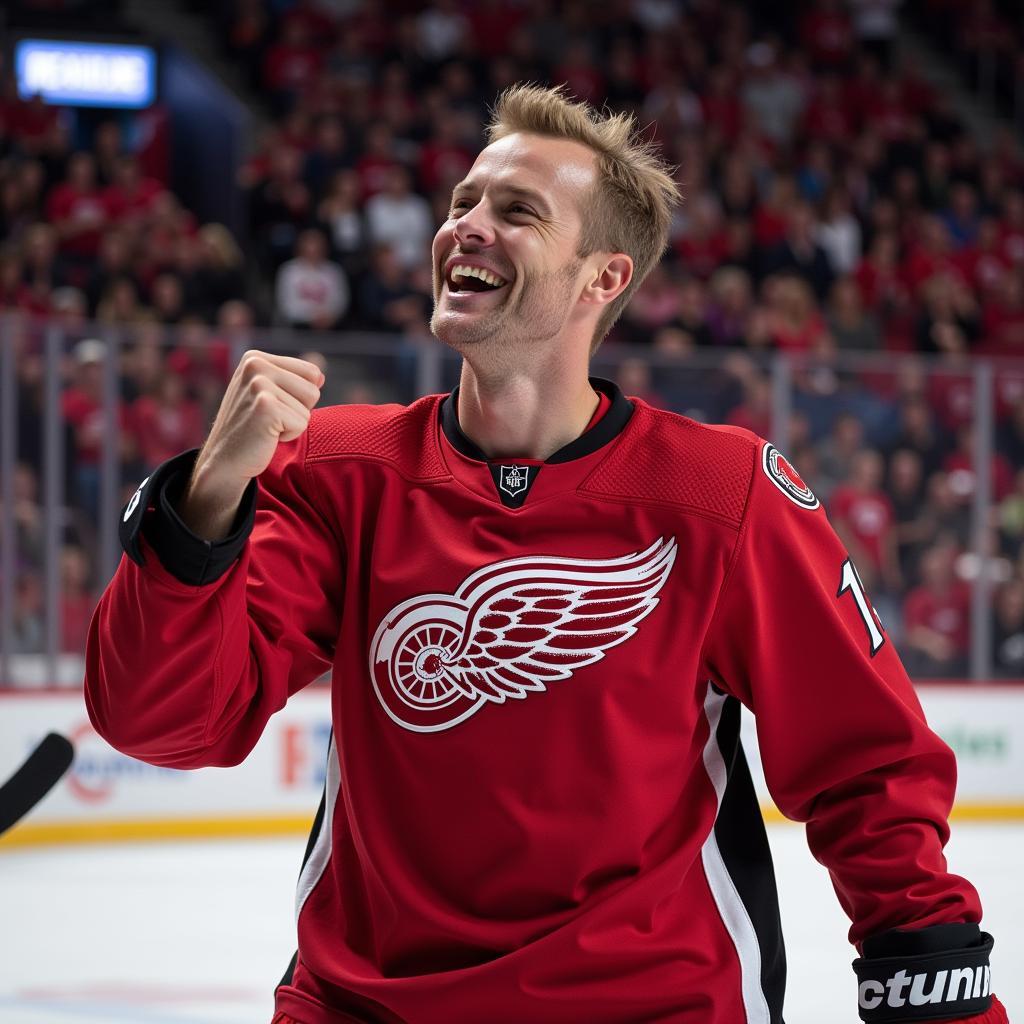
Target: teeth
(461, 270)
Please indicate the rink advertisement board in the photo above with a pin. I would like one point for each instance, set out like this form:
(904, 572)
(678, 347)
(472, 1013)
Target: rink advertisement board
(108, 796)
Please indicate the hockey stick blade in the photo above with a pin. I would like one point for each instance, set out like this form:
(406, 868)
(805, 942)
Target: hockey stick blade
(41, 771)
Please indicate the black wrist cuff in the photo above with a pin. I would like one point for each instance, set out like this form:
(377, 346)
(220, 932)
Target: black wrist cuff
(152, 513)
(937, 973)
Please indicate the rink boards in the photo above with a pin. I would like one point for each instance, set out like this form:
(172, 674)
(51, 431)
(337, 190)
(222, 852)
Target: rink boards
(108, 796)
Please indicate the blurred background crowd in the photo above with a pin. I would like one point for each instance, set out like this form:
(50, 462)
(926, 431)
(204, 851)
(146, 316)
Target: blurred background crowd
(839, 210)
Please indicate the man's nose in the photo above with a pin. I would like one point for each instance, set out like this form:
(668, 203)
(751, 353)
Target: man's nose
(474, 227)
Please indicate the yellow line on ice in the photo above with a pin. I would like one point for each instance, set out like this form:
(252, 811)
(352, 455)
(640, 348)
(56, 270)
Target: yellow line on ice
(265, 826)
(145, 829)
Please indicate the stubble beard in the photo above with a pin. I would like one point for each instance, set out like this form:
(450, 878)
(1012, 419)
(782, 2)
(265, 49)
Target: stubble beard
(539, 313)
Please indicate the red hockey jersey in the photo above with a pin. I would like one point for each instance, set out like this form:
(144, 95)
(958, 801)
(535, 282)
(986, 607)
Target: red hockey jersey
(537, 808)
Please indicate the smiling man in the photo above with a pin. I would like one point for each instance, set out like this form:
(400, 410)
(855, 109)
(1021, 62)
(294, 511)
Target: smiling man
(542, 605)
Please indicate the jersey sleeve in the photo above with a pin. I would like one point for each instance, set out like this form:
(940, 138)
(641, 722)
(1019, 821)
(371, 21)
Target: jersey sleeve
(844, 741)
(186, 674)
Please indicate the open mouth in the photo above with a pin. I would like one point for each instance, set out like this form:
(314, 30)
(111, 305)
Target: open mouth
(464, 279)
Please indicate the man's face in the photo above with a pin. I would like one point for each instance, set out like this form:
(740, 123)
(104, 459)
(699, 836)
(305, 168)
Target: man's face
(516, 218)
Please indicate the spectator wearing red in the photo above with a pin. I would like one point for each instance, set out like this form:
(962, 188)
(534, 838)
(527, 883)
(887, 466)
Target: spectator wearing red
(655, 302)
(936, 618)
(771, 218)
(879, 277)
(827, 118)
(155, 247)
(579, 72)
(634, 378)
(31, 123)
(1003, 317)
(826, 33)
(796, 325)
(77, 209)
(43, 270)
(166, 422)
(702, 246)
(203, 358)
(862, 93)
(959, 466)
(983, 263)
(131, 196)
(720, 104)
(754, 413)
(77, 601)
(292, 64)
(14, 294)
(891, 118)
(445, 159)
(82, 408)
(492, 23)
(314, 20)
(930, 254)
(863, 516)
(378, 159)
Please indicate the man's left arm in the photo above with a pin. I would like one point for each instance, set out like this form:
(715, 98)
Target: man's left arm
(846, 749)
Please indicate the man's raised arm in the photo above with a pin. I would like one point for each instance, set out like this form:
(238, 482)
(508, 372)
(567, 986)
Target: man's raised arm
(228, 599)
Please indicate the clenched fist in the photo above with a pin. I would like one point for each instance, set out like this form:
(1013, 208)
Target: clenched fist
(268, 399)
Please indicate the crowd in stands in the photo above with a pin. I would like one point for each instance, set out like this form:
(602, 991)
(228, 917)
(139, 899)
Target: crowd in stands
(834, 204)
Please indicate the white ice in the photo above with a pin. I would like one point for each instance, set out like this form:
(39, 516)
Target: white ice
(199, 933)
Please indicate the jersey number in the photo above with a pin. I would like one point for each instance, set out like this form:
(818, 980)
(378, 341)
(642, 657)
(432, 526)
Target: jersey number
(849, 580)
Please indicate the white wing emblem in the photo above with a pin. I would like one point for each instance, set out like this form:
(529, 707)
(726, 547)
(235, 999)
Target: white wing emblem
(509, 630)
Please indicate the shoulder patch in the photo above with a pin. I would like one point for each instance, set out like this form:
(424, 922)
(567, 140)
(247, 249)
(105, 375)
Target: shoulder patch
(405, 436)
(671, 460)
(778, 469)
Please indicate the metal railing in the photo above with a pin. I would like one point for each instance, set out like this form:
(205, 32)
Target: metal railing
(40, 362)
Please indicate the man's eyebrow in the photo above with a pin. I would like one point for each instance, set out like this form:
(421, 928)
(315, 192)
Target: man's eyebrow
(468, 186)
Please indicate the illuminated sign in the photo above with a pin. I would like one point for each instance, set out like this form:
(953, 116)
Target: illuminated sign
(86, 74)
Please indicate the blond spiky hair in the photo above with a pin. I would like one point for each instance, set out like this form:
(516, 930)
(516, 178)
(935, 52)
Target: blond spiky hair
(631, 208)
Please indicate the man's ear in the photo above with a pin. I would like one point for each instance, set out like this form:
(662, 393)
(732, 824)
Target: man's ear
(609, 279)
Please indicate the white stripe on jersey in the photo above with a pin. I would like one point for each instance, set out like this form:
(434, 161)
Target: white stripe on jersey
(734, 914)
(321, 852)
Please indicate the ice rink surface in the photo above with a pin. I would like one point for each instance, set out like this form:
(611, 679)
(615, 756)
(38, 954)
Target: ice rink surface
(199, 933)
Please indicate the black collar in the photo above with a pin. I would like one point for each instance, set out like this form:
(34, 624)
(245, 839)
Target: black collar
(606, 428)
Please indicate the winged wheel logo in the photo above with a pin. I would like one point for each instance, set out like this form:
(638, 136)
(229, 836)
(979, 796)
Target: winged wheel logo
(509, 630)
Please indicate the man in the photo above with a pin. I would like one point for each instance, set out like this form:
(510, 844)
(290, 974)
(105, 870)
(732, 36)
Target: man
(542, 604)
